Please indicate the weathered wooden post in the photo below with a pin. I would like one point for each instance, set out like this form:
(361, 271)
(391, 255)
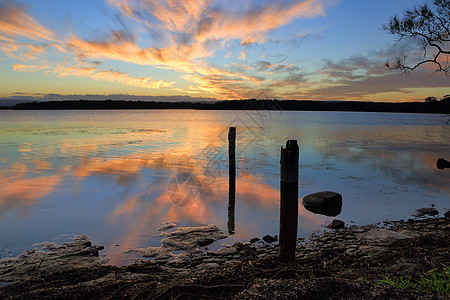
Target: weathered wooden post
(289, 200)
(232, 179)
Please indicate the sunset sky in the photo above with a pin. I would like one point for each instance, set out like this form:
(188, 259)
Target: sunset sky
(144, 49)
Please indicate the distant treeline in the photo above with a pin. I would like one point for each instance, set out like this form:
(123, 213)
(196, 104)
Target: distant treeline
(251, 104)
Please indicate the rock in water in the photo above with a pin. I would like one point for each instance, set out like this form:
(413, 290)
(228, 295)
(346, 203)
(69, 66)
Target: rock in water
(337, 224)
(426, 211)
(324, 203)
(442, 164)
(32, 264)
(187, 239)
(270, 239)
(166, 225)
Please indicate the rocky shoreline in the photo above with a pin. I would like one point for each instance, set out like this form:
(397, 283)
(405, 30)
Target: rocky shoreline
(340, 264)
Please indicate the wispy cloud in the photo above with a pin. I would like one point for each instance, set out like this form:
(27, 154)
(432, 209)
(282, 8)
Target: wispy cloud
(185, 33)
(363, 78)
(252, 25)
(213, 20)
(110, 75)
(179, 57)
(28, 68)
(92, 71)
(207, 44)
(16, 24)
(14, 21)
(21, 36)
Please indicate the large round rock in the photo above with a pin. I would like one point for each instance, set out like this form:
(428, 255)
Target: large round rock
(324, 203)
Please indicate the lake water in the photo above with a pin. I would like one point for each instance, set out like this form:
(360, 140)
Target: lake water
(117, 175)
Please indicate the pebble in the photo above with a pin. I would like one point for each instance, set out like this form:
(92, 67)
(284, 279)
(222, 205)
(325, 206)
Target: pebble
(211, 260)
(227, 251)
(210, 265)
(349, 252)
(238, 245)
(231, 262)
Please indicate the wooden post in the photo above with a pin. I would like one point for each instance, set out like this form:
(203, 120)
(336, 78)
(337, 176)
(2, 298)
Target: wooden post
(232, 179)
(289, 200)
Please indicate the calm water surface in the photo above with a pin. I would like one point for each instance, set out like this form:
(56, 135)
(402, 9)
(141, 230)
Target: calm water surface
(117, 175)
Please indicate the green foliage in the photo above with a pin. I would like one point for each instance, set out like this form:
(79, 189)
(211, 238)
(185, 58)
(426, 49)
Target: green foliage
(431, 281)
(310, 276)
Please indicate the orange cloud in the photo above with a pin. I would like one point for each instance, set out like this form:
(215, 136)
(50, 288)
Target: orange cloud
(185, 33)
(28, 68)
(109, 75)
(226, 87)
(14, 21)
(96, 73)
(192, 31)
(178, 16)
(208, 22)
(178, 57)
(250, 26)
(123, 6)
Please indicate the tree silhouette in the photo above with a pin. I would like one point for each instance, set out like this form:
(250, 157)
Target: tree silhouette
(431, 99)
(427, 27)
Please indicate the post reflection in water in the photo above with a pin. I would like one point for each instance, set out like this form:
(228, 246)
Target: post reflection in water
(117, 181)
(232, 179)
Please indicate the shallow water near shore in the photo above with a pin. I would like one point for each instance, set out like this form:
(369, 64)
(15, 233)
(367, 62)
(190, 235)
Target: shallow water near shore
(117, 175)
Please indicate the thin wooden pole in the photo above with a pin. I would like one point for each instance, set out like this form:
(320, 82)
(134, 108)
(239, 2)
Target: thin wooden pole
(232, 179)
(289, 200)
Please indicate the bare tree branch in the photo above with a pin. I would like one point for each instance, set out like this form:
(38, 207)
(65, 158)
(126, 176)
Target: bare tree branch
(427, 26)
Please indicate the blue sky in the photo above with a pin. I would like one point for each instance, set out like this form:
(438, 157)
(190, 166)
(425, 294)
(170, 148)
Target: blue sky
(306, 49)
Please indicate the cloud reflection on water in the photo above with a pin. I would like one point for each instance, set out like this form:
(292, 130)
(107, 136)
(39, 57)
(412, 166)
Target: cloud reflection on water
(24, 192)
(390, 152)
(119, 175)
(208, 207)
(144, 206)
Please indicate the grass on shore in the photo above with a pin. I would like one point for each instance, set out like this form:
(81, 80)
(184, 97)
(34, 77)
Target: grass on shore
(431, 281)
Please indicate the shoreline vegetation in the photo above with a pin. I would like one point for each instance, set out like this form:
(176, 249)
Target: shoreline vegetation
(438, 107)
(405, 259)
